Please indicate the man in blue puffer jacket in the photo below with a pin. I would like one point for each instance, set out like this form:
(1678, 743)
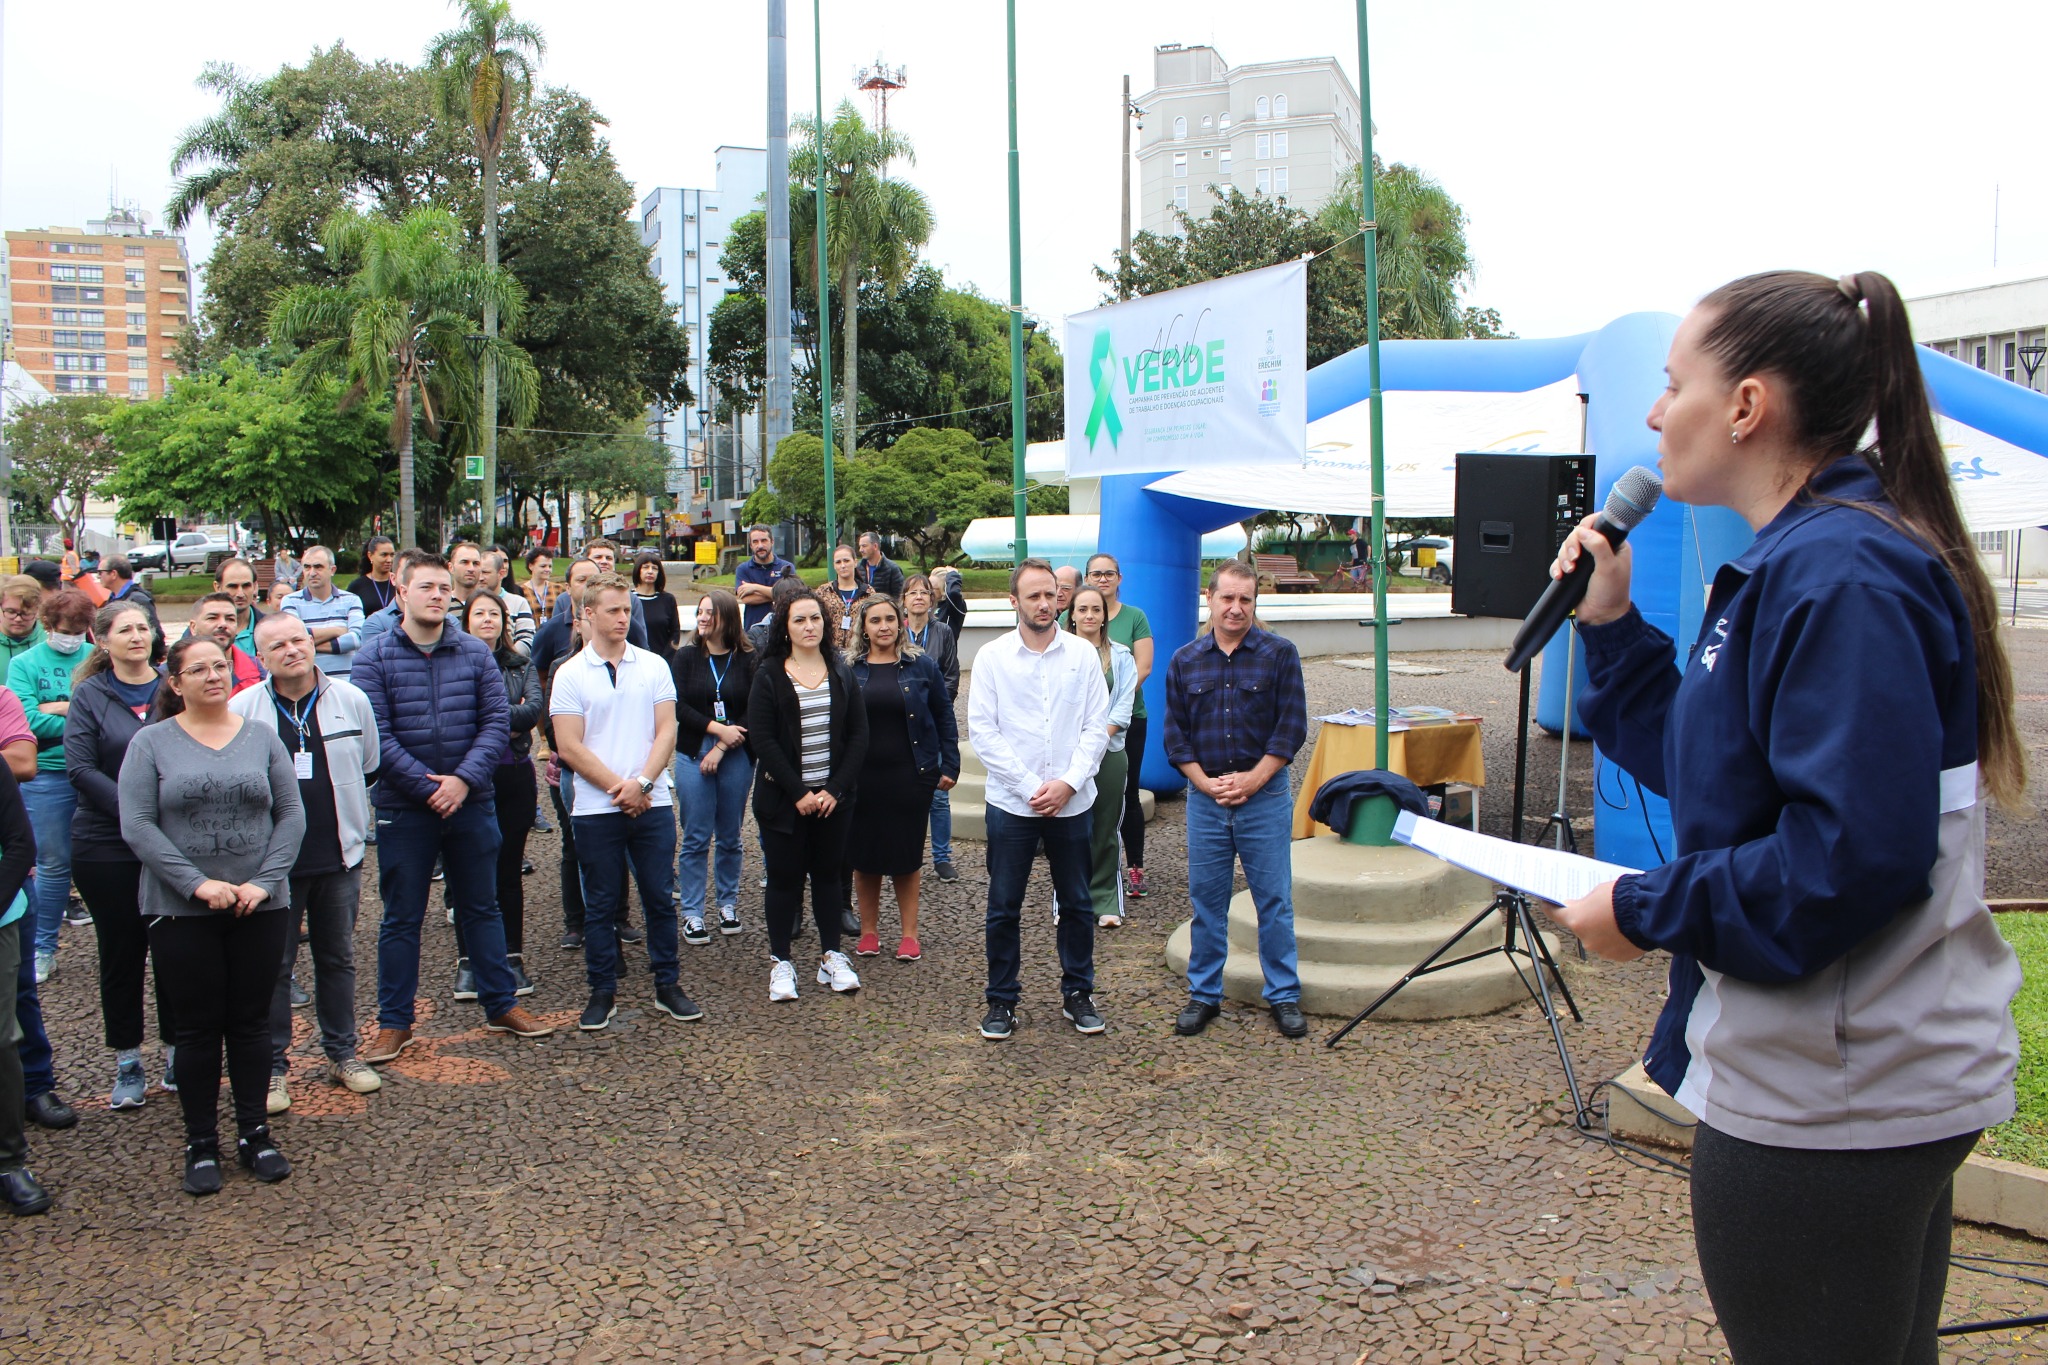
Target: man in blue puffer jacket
(442, 725)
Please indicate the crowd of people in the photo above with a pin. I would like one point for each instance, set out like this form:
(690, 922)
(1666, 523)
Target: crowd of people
(214, 796)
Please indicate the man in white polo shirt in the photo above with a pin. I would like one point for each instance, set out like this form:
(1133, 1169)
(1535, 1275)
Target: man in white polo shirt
(614, 711)
(1038, 713)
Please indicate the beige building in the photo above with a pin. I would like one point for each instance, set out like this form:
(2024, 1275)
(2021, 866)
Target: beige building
(98, 309)
(1286, 129)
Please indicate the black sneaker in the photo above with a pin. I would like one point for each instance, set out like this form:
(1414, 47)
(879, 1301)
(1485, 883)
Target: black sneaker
(628, 934)
(202, 1168)
(946, 871)
(526, 868)
(694, 932)
(598, 1013)
(999, 1023)
(671, 1001)
(1288, 1018)
(1081, 1013)
(728, 919)
(572, 941)
(48, 1110)
(465, 980)
(75, 913)
(1195, 1017)
(260, 1157)
(521, 983)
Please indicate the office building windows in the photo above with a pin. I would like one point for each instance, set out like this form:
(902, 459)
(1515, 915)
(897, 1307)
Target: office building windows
(1180, 196)
(1279, 180)
(1263, 108)
(1279, 106)
(131, 251)
(138, 339)
(1265, 181)
(91, 317)
(138, 362)
(1180, 128)
(135, 274)
(134, 296)
(76, 248)
(62, 361)
(80, 383)
(1262, 149)
(137, 321)
(71, 293)
(87, 274)
(1223, 161)
(1180, 165)
(2010, 350)
(1280, 144)
(1223, 119)
(138, 388)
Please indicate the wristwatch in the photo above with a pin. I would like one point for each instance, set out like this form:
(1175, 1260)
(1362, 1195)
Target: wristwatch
(646, 785)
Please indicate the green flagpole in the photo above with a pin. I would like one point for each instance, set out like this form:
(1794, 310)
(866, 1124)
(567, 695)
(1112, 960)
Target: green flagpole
(1023, 548)
(1372, 363)
(825, 295)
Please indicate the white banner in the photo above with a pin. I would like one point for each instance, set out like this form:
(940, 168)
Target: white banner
(1213, 374)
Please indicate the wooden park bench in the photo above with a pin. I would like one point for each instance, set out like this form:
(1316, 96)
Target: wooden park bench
(1286, 573)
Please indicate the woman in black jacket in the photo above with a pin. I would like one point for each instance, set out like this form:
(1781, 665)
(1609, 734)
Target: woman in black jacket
(809, 733)
(512, 784)
(657, 604)
(714, 678)
(913, 751)
(941, 641)
(109, 700)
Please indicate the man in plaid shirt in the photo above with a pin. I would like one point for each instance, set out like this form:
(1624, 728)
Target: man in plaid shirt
(1236, 713)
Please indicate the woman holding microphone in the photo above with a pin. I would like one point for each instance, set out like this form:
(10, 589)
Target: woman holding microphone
(1838, 1007)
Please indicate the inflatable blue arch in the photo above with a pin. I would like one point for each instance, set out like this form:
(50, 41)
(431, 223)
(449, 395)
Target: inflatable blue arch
(1157, 536)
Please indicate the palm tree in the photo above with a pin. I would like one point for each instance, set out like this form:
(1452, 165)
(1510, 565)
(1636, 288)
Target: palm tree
(486, 70)
(210, 152)
(400, 324)
(873, 225)
(1423, 258)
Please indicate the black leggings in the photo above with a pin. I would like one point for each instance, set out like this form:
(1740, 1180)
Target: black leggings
(219, 970)
(1133, 829)
(518, 802)
(1812, 1257)
(572, 875)
(815, 849)
(111, 890)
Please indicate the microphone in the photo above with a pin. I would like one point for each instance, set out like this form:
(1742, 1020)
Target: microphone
(1633, 496)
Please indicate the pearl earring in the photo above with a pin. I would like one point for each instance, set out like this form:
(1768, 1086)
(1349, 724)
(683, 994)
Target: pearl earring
(1735, 438)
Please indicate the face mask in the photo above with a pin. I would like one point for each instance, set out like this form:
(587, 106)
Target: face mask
(65, 644)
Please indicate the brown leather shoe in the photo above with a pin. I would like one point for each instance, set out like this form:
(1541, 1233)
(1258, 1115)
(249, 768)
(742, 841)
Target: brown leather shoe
(517, 1020)
(390, 1042)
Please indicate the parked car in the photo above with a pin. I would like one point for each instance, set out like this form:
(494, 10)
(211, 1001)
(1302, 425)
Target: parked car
(154, 555)
(192, 551)
(1439, 572)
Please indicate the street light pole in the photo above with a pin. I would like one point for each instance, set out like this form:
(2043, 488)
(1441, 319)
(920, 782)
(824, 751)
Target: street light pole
(824, 293)
(1023, 548)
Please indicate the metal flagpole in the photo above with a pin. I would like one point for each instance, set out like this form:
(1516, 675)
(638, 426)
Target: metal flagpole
(1370, 228)
(1022, 549)
(824, 295)
(776, 414)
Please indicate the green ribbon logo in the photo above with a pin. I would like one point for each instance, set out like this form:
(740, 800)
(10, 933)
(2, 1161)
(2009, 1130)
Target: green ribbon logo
(1102, 372)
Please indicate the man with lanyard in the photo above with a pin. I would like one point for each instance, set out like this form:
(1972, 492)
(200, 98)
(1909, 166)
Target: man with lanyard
(1128, 626)
(331, 733)
(442, 725)
(1038, 716)
(1236, 714)
(215, 620)
(237, 578)
(878, 573)
(374, 588)
(333, 618)
(755, 580)
(614, 713)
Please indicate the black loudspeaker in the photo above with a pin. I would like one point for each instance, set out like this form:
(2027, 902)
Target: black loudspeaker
(1513, 511)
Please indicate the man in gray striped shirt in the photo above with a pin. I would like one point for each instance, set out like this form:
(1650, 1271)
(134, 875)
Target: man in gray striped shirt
(334, 618)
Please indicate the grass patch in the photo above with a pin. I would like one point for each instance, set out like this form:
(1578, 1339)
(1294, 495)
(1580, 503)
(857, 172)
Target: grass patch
(2025, 1137)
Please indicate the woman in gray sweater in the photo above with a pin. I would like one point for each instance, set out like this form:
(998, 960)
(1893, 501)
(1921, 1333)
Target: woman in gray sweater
(210, 805)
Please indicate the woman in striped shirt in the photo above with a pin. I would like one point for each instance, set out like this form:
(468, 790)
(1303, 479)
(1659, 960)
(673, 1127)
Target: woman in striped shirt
(809, 732)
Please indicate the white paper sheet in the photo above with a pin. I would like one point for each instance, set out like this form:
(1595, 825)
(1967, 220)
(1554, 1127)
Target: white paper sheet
(1545, 873)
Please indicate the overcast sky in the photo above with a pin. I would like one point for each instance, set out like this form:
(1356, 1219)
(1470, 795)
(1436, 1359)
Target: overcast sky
(1612, 156)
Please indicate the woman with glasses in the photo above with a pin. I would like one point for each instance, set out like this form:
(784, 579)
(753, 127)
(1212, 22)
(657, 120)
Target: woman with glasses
(117, 684)
(41, 678)
(21, 599)
(210, 805)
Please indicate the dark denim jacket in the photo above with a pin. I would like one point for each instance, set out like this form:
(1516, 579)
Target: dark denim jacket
(934, 733)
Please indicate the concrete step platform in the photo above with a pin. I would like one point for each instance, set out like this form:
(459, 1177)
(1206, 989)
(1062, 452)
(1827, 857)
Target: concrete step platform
(970, 793)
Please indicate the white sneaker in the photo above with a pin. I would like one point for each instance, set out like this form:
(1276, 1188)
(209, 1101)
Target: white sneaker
(782, 981)
(835, 971)
(46, 967)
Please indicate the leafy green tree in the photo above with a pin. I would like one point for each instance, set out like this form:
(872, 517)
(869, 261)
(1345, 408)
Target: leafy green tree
(926, 488)
(1423, 261)
(797, 469)
(609, 469)
(485, 68)
(237, 438)
(874, 225)
(60, 451)
(398, 327)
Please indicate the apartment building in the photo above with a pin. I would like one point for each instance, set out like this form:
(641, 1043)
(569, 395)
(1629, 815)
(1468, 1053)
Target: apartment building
(98, 309)
(1288, 129)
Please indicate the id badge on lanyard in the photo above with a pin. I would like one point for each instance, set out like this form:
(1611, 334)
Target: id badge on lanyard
(302, 765)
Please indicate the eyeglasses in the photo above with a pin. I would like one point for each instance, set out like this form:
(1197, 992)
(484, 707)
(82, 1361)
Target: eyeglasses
(221, 670)
(1102, 573)
(17, 611)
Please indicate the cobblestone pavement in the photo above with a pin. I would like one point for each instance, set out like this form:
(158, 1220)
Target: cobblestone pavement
(864, 1178)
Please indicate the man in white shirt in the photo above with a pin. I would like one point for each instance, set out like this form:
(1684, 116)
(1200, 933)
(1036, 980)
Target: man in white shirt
(1038, 716)
(614, 710)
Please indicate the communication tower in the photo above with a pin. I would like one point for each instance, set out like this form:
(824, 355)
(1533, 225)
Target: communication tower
(880, 81)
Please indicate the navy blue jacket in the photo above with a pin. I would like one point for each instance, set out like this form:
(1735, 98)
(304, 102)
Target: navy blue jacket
(441, 710)
(1835, 980)
(934, 733)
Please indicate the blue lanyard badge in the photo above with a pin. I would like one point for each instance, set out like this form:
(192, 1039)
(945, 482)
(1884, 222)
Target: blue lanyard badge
(717, 686)
(302, 757)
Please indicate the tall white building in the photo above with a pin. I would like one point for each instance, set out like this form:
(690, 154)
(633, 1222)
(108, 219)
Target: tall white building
(1286, 129)
(686, 229)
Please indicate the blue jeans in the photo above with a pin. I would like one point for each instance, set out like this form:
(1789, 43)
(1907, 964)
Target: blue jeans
(604, 846)
(942, 827)
(1013, 843)
(1258, 834)
(50, 799)
(408, 842)
(712, 810)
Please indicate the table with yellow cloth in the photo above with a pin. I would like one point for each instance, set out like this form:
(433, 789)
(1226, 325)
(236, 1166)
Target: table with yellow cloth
(1424, 754)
